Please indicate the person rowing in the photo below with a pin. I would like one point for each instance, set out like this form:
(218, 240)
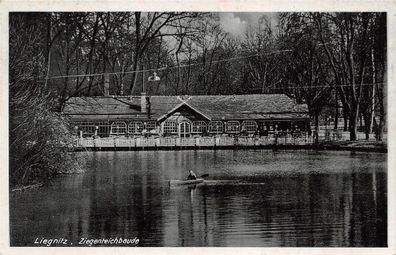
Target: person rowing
(191, 179)
(191, 175)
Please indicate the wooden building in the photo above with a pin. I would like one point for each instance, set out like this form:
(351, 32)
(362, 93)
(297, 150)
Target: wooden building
(186, 116)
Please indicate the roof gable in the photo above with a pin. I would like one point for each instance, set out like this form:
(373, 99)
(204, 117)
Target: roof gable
(183, 103)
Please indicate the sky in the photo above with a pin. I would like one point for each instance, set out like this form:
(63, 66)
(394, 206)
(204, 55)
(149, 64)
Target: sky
(236, 23)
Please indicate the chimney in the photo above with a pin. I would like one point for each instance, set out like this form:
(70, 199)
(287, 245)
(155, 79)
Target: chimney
(143, 102)
(106, 85)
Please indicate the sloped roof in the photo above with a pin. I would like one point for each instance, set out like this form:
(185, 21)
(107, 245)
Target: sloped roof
(259, 106)
(95, 105)
(117, 107)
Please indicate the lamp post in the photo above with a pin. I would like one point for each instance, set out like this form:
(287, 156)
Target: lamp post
(154, 77)
(145, 96)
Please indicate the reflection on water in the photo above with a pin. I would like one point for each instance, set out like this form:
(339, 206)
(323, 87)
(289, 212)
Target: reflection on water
(284, 198)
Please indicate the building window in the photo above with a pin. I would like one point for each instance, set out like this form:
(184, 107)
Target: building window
(151, 125)
(215, 127)
(249, 125)
(135, 127)
(232, 126)
(118, 128)
(88, 128)
(199, 127)
(103, 129)
(170, 127)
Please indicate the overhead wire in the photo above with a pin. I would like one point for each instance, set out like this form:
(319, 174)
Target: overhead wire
(323, 86)
(215, 61)
(164, 67)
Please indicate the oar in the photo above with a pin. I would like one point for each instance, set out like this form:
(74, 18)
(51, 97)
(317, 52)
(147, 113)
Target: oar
(204, 175)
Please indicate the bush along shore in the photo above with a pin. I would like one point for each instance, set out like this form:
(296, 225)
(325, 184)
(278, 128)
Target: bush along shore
(38, 175)
(361, 145)
(39, 145)
(40, 180)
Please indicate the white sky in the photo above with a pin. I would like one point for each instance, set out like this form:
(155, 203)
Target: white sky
(236, 23)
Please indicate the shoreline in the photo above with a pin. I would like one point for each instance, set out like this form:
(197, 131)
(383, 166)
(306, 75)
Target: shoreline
(21, 188)
(39, 183)
(336, 146)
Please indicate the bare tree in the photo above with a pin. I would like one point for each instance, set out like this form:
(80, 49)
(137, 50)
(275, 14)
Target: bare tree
(348, 57)
(38, 136)
(149, 26)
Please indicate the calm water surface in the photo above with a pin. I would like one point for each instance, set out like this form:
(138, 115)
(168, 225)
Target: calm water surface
(282, 198)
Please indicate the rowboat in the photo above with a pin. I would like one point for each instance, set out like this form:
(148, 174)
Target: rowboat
(185, 182)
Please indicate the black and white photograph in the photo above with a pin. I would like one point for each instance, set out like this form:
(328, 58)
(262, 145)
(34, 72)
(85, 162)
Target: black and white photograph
(198, 129)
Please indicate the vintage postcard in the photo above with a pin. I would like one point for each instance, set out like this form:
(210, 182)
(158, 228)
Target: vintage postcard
(212, 127)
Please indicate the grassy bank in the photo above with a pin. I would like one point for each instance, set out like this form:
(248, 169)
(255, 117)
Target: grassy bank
(361, 145)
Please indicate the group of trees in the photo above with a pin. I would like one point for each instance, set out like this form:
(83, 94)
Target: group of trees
(340, 57)
(38, 135)
(333, 62)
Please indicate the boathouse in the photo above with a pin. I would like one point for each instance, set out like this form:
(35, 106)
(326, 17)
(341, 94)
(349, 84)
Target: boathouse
(186, 116)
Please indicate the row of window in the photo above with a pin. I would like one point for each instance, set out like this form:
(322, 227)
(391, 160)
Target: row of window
(170, 127)
(133, 127)
(116, 128)
(89, 128)
(216, 127)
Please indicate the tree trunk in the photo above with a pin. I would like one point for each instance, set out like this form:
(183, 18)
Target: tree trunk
(382, 118)
(316, 126)
(62, 98)
(374, 78)
(91, 52)
(381, 126)
(178, 73)
(336, 114)
(188, 76)
(367, 124)
(48, 50)
(345, 115)
(122, 76)
(361, 121)
(353, 121)
(134, 75)
(264, 83)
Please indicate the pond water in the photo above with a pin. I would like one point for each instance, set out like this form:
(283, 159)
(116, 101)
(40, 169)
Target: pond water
(276, 199)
